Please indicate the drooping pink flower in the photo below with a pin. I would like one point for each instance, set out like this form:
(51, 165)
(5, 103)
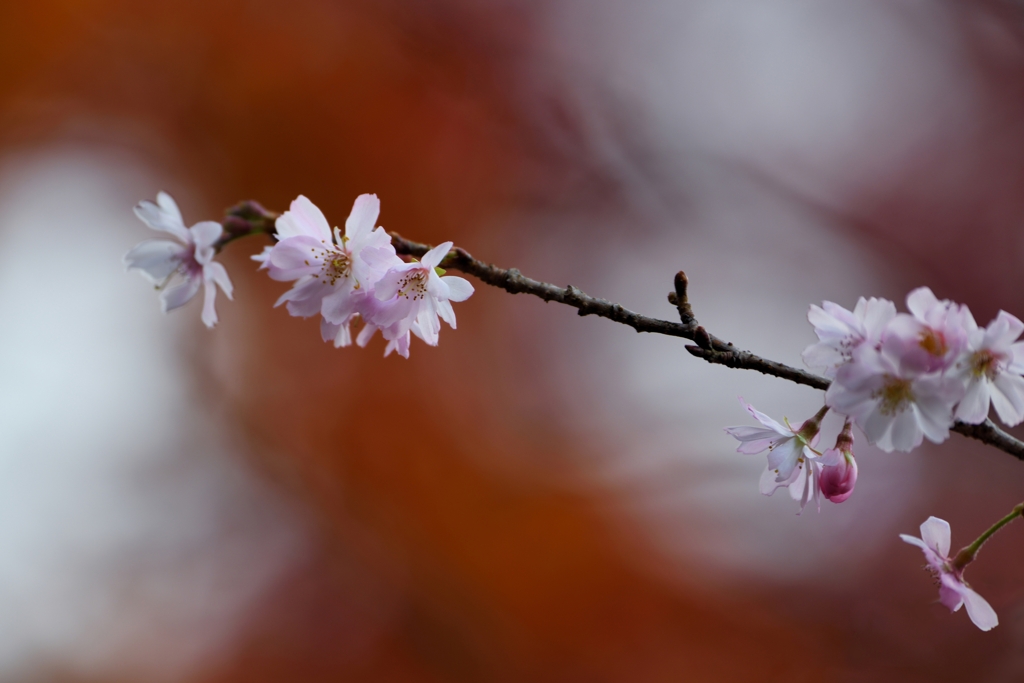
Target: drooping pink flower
(333, 272)
(413, 296)
(953, 590)
(189, 260)
(891, 399)
(839, 468)
(790, 452)
(841, 331)
(990, 368)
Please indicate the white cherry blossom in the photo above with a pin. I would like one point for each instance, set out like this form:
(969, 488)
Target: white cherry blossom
(991, 369)
(179, 268)
(841, 331)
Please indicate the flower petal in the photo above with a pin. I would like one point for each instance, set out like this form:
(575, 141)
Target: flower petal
(1008, 398)
(389, 285)
(936, 534)
(765, 420)
(459, 289)
(169, 206)
(295, 257)
(444, 309)
(217, 273)
(164, 217)
(181, 293)
(203, 235)
(209, 311)
(973, 407)
(978, 609)
(363, 217)
(951, 591)
(303, 218)
(433, 257)
(157, 259)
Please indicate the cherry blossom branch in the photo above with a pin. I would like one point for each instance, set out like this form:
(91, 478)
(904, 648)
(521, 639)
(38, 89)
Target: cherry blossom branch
(250, 218)
(709, 348)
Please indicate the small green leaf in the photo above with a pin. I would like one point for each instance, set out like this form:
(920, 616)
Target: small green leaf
(439, 270)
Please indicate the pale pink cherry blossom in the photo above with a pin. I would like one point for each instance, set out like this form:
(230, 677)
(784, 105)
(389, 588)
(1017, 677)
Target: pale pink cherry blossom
(841, 331)
(189, 260)
(953, 590)
(937, 330)
(991, 368)
(839, 468)
(333, 273)
(414, 296)
(790, 452)
(893, 402)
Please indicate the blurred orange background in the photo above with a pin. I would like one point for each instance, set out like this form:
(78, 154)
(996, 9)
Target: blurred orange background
(541, 497)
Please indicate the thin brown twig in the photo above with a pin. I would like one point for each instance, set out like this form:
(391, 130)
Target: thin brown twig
(708, 347)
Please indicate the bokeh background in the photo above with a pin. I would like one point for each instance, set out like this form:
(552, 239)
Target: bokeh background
(542, 497)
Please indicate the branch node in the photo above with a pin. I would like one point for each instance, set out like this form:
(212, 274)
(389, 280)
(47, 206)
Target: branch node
(682, 303)
(702, 338)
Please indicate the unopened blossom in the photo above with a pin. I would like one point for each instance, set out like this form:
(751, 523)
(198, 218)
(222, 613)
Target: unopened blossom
(839, 468)
(953, 590)
(414, 297)
(179, 268)
(790, 452)
(334, 273)
(893, 401)
(991, 368)
(934, 333)
(841, 331)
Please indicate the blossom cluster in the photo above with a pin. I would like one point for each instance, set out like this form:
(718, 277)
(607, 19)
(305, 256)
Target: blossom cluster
(340, 276)
(904, 377)
(900, 377)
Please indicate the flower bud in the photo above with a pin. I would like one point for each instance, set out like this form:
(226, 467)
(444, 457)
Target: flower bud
(839, 470)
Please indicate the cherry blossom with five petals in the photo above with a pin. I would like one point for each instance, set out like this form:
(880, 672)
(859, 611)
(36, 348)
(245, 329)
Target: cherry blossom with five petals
(414, 297)
(991, 369)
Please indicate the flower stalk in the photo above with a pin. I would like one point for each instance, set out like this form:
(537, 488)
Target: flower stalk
(969, 553)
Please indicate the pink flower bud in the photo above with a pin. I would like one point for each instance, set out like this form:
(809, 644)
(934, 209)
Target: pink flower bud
(839, 471)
